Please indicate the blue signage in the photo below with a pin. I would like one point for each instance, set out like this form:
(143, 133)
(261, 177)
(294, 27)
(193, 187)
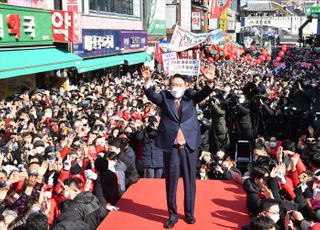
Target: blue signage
(97, 43)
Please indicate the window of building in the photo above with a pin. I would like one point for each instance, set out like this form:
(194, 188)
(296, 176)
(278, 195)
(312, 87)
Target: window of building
(125, 7)
(58, 4)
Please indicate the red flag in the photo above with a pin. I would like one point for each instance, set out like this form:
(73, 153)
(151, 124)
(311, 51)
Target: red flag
(217, 6)
(158, 54)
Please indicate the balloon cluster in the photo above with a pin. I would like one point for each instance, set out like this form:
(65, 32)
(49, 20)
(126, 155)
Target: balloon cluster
(264, 57)
(284, 50)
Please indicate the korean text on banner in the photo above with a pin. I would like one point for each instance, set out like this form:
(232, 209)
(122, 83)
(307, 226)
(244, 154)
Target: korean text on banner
(223, 21)
(66, 26)
(183, 40)
(157, 20)
(24, 26)
(196, 20)
(185, 20)
(167, 59)
(217, 7)
(189, 67)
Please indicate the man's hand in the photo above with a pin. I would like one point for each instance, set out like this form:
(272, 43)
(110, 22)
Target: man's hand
(146, 74)
(210, 74)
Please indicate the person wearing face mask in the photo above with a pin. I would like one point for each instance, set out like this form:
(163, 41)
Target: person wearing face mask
(152, 157)
(179, 137)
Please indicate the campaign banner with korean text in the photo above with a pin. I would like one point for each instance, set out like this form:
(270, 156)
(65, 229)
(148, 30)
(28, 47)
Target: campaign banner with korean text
(133, 40)
(66, 26)
(217, 7)
(188, 67)
(167, 58)
(223, 21)
(98, 43)
(24, 26)
(196, 20)
(182, 40)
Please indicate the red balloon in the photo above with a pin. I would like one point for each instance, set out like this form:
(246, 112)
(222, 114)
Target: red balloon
(262, 58)
(265, 52)
(259, 61)
(233, 58)
(234, 52)
(253, 63)
(210, 59)
(203, 55)
(284, 48)
(278, 59)
(268, 58)
(217, 56)
(194, 51)
(281, 54)
(199, 51)
(249, 58)
(208, 51)
(252, 47)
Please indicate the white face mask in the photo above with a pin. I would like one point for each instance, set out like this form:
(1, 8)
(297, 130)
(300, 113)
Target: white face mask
(177, 92)
(227, 90)
(275, 218)
(40, 150)
(112, 166)
(273, 144)
(202, 175)
(241, 100)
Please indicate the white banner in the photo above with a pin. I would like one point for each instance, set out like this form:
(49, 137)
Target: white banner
(189, 67)
(247, 41)
(185, 20)
(167, 59)
(196, 20)
(182, 40)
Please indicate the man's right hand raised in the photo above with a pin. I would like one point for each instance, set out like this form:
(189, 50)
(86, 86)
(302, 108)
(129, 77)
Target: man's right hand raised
(146, 74)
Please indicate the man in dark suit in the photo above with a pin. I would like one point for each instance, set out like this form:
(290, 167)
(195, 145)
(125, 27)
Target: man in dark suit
(179, 137)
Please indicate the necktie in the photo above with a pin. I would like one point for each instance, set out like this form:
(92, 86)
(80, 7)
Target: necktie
(180, 137)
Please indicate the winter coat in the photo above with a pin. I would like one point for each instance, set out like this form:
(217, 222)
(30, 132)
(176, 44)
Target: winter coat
(152, 157)
(132, 175)
(220, 136)
(70, 220)
(106, 187)
(89, 209)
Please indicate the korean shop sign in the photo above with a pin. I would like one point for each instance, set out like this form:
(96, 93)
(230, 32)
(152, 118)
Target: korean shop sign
(66, 26)
(98, 43)
(24, 26)
(133, 40)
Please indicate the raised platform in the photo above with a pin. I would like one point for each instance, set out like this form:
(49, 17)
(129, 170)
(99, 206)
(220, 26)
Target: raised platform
(219, 205)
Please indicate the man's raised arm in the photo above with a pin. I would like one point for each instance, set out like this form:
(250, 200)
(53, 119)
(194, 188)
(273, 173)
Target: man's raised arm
(154, 97)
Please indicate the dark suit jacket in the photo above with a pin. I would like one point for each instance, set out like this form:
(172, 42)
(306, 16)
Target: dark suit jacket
(170, 122)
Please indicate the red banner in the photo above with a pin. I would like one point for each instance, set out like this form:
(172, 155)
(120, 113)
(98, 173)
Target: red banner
(66, 26)
(217, 6)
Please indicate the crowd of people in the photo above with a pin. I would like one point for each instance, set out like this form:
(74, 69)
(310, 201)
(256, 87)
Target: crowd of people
(68, 156)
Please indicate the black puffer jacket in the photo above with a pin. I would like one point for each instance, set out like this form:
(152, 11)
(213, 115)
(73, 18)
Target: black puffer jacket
(70, 220)
(253, 200)
(89, 209)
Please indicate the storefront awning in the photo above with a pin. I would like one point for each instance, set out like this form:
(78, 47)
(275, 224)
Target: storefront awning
(22, 62)
(99, 63)
(136, 58)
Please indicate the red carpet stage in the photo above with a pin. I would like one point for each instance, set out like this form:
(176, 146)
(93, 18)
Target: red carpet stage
(219, 205)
